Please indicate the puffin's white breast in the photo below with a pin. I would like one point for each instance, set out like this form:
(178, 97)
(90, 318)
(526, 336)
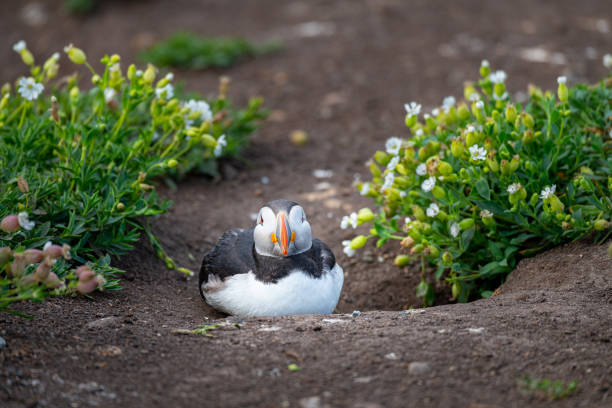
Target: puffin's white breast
(296, 293)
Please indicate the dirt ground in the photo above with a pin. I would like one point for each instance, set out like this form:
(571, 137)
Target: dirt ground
(345, 72)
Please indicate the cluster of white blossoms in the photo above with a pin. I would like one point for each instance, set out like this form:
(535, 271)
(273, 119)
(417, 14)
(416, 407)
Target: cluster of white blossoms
(498, 77)
(349, 220)
(478, 153)
(24, 221)
(455, 229)
(514, 187)
(428, 184)
(198, 106)
(412, 109)
(448, 103)
(347, 248)
(165, 92)
(29, 88)
(486, 214)
(421, 169)
(365, 189)
(393, 163)
(109, 94)
(433, 210)
(389, 179)
(548, 192)
(221, 143)
(393, 145)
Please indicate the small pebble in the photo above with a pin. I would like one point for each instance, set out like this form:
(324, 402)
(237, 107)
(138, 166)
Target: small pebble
(320, 173)
(418, 368)
(265, 180)
(310, 402)
(356, 313)
(391, 356)
(2, 343)
(476, 330)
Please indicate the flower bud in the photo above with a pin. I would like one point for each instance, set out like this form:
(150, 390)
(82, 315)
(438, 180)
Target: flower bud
(457, 148)
(534, 199)
(445, 168)
(407, 242)
(149, 74)
(76, 55)
(514, 163)
(365, 215)
(87, 282)
(466, 223)
(115, 58)
(381, 158)
(456, 289)
(463, 173)
(510, 113)
(499, 89)
(439, 193)
(527, 120)
(74, 94)
(417, 249)
(9, 223)
(472, 138)
(224, 82)
(18, 265)
(172, 163)
(43, 269)
(26, 56)
(209, 141)
(463, 112)
(410, 120)
(562, 91)
(401, 260)
(358, 242)
(131, 72)
(601, 225)
(447, 258)
(555, 204)
(120, 206)
(485, 69)
(433, 251)
(5, 254)
(493, 165)
(32, 256)
(52, 281)
(418, 213)
(82, 269)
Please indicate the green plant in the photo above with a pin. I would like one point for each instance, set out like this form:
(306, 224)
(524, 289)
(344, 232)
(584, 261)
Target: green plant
(185, 50)
(77, 169)
(482, 184)
(546, 389)
(205, 328)
(80, 6)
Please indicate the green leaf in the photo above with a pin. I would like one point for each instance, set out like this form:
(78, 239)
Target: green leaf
(482, 186)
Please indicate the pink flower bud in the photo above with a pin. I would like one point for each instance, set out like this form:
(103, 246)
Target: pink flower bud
(18, 266)
(81, 269)
(10, 223)
(85, 287)
(43, 269)
(86, 275)
(5, 254)
(53, 281)
(53, 251)
(33, 256)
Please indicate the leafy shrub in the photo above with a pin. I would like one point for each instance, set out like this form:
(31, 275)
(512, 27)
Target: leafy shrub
(484, 183)
(77, 169)
(185, 50)
(545, 388)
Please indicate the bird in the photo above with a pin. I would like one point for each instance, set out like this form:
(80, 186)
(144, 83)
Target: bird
(275, 268)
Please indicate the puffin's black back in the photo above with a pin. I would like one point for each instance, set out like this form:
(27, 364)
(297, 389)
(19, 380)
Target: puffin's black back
(235, 254)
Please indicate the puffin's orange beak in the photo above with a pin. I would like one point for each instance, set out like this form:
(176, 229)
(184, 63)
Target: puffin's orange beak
(283, 235)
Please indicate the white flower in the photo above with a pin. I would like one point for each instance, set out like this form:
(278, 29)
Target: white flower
(484, 63)
(470, 129)
(435, 112)
(402, 194)
(480, 105)
(426, 116)
(24, 222)
(497, 77)
(199, 106)
(393, 145)
(365, 189)
(167, 92)
(139, 73)
(19, 46)
(561, 80)
(169, 76)
(389, 179)
(421, 169)
(474, 97)
(428, 184)
(56, 56)
(448, 103)
(349, 220)
(347, 248)
(455, 229)
(607, 61)
(109, 94)
(500, 98)
(47, 245)
(393, 163)
(548, 192)
(412, 109)
(432, 210)
(419, 132)
(486, 214)
(116, 67)
(29, 88)
(478, 153)
(514, 187)
(221, 143)
(407, 220)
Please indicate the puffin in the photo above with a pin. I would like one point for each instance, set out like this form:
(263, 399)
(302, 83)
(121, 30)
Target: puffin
(275, 268)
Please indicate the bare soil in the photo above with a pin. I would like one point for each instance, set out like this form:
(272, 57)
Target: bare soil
(346, 87)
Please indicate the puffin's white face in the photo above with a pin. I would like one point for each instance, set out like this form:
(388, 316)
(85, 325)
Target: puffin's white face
(282, 234)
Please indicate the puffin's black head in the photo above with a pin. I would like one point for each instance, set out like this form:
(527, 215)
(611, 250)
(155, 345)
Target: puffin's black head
(282, 229)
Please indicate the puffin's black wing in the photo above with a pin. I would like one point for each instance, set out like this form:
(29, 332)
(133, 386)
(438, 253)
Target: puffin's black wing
(232, 255)
(323, 253)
